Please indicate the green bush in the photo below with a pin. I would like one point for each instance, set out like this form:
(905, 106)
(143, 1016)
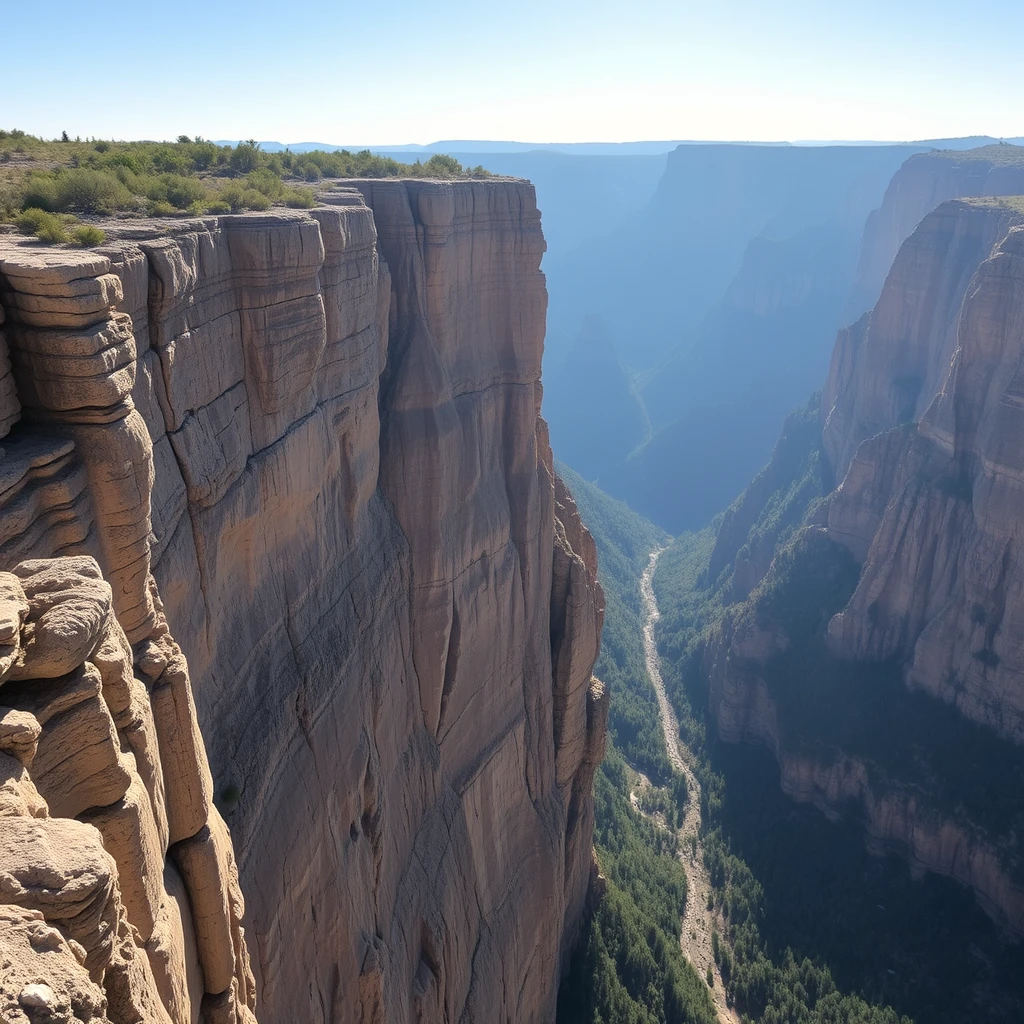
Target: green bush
(88, 235)
(265, 181)
(182, 192)
(161, 208)
(44, 225)
(245, 157)
(299, 198)
(84, 190)
(40, 192)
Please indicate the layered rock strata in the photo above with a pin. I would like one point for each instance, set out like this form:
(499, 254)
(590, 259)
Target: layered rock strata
(887, 367)
(934, 511)
(387, 602)
(112, 841)
(921, 423)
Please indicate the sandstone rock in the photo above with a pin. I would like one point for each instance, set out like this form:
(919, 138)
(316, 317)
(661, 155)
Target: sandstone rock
(189, 785)
(887, 367)
(172, 953)
(30, 951)
(331, 459)
(69, 604)
(18, 796)
(10, 404)
(203, 866)
(130, 836)
(19, 734)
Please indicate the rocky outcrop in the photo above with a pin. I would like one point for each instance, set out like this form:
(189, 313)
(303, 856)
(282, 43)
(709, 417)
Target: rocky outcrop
(386, 602)
(888, 366)
(926, 517)
(917, 188)
(900, 821)
(942, 588)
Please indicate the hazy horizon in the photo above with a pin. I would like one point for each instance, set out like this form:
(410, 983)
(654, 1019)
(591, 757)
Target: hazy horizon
(564, 73)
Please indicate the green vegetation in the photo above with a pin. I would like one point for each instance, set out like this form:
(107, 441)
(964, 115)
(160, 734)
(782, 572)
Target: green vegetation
(50, 227)
(924, 947)
(186, 177)
(1001, 154)
(628, 967)
(1014, 203)
(809, 915)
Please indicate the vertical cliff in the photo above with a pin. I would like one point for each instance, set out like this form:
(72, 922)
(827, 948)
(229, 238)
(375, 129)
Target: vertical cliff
(387, 602)
(921, 184)
(118, 875)
(878, 654)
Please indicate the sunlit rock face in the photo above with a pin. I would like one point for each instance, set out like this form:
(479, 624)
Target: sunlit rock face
(331, 483)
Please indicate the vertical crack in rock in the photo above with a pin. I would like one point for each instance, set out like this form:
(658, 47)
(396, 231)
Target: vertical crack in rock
(335, 490)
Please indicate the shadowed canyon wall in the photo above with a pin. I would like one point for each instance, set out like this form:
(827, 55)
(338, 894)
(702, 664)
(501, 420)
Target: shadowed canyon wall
(893, 692)
(917, 188)
(333, 471)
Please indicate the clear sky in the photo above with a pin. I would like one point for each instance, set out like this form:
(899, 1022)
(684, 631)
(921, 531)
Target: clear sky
(535, 70)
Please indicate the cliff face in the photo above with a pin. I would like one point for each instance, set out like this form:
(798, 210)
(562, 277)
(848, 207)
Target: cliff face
(387, 601)
(921, 184)
(118, 876)
(888, 366)
(921, 424)
(942, 576)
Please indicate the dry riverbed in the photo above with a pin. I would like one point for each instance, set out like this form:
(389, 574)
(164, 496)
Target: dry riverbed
(698, 922)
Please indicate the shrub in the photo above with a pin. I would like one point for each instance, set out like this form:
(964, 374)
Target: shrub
(218, 206)
(171, 160)
(253, 200)
(161, 208)
(182, 192)
(90, 191)
(203, 154)
(88, 234)
(265, 181)
(245, 157)
(101, 147)
(299, 198)
(40, 193)
(441, 166)
(44, 225)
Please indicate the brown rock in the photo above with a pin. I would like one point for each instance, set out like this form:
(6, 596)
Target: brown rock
(41, 979)
(69, 603)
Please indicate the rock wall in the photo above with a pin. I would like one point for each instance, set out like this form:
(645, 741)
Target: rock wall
(387, 602)
(921, 184)
(942, 587)
(118, 875)
(887, 367)
(929, 508)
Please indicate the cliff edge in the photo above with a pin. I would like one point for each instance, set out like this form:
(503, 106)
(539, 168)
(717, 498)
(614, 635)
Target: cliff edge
(333, 487)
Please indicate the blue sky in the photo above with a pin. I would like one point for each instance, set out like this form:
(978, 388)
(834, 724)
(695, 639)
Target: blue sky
(561, 70)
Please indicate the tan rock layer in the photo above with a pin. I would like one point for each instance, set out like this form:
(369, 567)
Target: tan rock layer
(930, 505)
(77, 476)
(388, 605)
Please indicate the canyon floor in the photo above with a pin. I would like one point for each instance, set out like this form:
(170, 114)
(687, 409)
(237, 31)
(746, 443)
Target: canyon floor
(698, 922)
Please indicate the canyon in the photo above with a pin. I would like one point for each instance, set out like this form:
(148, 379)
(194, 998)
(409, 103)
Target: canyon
(279, 482)
(873, 641)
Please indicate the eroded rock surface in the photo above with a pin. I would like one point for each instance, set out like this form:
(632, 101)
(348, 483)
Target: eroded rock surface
(311, 449)
(921, 422)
